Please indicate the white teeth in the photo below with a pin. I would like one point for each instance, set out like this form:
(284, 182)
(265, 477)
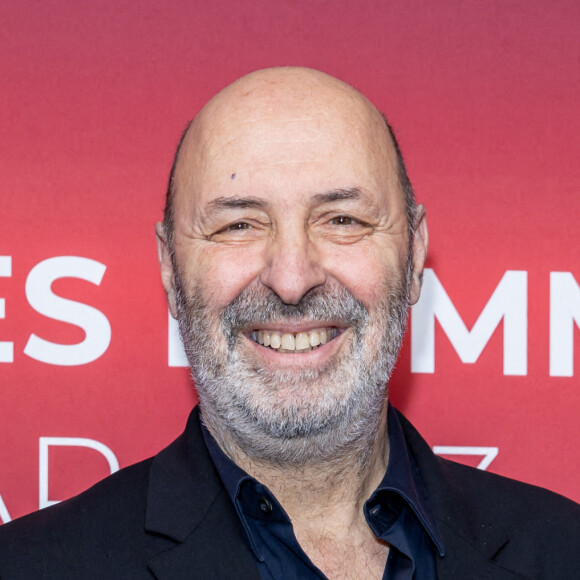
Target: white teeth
(302, 341)
(288, 341)
(314, 338)
(298, 342)
(275, 340)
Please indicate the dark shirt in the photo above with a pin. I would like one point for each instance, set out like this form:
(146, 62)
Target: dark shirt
(398, 513)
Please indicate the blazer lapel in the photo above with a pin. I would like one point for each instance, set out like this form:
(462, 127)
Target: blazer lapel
(463, 559)
(471, 541)
(195, 532)
(203, 555)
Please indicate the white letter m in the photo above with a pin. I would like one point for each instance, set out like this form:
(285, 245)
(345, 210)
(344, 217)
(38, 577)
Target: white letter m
(509, 302)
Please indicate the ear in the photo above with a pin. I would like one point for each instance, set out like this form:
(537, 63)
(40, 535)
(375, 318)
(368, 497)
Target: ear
(166, 265)
(419, 253)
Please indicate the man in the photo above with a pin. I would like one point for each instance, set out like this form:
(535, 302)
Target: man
(290, 251)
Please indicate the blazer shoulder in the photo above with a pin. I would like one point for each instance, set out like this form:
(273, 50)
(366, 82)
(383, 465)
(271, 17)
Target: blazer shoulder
(508, 500)
(521, 527)
(540, 528)
(119, 525)
(120, 492)
(467, 489)
(81, 533)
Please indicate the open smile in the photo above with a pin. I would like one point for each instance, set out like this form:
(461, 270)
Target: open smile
(294, 342)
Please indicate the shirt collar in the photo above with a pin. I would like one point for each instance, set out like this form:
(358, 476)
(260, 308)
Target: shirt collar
(231, 474)
(233, 477)
(402, 477)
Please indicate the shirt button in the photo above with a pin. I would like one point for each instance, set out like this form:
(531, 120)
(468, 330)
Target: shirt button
(265, 506)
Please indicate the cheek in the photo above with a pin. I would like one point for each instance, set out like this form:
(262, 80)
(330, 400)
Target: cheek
(367, 273)
(222, 273)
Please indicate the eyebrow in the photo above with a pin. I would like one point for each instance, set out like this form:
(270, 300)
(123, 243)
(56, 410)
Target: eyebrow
(338, 195)
(250, 201)
(235, 201)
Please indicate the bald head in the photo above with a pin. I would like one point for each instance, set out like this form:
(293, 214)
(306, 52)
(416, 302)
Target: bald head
(285, 110)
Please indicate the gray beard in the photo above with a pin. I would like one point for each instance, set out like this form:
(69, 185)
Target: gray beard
(295, 417)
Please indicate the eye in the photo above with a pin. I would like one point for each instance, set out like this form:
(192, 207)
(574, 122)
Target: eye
(237, 231)
(342, 220)
(238, 226)
(340, 228)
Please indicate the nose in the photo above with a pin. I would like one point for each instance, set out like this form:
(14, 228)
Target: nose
(292, 267)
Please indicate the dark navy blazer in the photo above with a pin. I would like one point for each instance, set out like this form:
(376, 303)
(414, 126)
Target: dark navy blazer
(169, 517)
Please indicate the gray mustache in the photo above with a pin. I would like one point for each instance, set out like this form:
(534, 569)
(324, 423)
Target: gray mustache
(254, 307)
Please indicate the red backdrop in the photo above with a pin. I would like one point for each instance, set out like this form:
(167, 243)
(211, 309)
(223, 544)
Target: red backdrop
(484, 97)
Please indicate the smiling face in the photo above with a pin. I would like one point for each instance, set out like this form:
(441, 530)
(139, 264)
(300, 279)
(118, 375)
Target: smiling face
(291, 272)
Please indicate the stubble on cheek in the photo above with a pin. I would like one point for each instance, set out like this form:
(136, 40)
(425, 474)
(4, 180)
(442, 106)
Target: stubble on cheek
(302, 414)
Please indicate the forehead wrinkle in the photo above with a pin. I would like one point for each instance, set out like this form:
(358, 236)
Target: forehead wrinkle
(283, 162)
(278, 109)
(280, 141)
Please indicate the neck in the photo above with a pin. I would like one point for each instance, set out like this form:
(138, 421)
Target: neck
(335, 488)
